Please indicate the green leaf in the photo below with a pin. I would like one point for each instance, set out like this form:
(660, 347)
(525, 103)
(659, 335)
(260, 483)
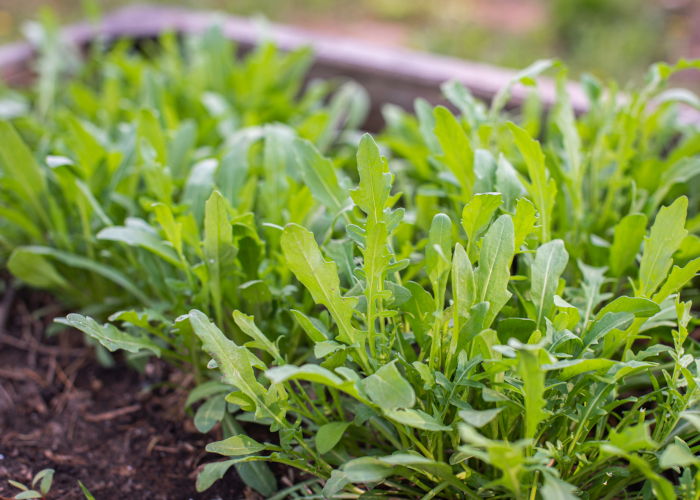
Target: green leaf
(173, 230)
(493, 272)
(204, 390)
(677, 280)
(136, 237)
(508, 183)
(111, 337)
(88, 495)
(417, 419)
(236, 446)
(476, 215)
(532, 376)
(418, 306)
(463, 289)
(46, 476)
(235, 365)
(601, 327)
(632, 438)
(541, 190)
(639, 306)
(458, 153)
(524, 221)
(585, 365)
(319, 176)
(388, 389)
(212, 472)
(375, 182)
(329, 435)
(321, 279)
(209, 414)
(28, 494)
(665, 237)
(247, 326)
(219, 250)
(556, 489)
(80, 262)
(35, 270)
(255, 291)
(678, 455)
(312, 326)
(18, 163)
(629, 234)
(438, 252)
(550, 262)
(477, 418)
(335, 484)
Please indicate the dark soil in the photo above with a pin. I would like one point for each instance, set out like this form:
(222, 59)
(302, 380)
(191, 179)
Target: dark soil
(122, 433)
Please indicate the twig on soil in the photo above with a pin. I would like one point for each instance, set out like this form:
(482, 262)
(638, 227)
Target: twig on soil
(40, 348)
(23, 374)
(111, 415)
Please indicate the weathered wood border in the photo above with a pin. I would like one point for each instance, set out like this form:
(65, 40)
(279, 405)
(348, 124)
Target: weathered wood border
(391, 75)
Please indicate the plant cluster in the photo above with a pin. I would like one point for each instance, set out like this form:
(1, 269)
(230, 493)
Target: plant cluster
(494, 316)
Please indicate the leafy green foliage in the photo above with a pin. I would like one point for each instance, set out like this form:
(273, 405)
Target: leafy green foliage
(496, 320)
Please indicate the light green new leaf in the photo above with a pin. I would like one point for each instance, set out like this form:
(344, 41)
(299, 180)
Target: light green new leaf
(475, 217)
(111, 337)
(320, 278)
(375, 182)
(335, 484)
(678, 455)
(463, 289)
(236, 446)
(666, 235)
(493, 272)
(550, 262)
(329, 435)
(136, 237)
(438, 253)
(477, 418)
(209, 414)
(677, 280)
(629, 234)
(583, 366)
(173, 230)
(319, 176)
(555, 489)
(388, 389)
(532, 376)
(219, 250)
(541, 190)
(459, 156)
(417, 419)
(632, 438)
(311, 326)
(524, 221)
(248, 326)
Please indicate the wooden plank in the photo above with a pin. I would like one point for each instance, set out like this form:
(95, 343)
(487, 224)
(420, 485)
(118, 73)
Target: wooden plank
(391, 75)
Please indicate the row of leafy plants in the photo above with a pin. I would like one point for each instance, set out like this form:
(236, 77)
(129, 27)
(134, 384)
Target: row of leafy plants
(480, 305)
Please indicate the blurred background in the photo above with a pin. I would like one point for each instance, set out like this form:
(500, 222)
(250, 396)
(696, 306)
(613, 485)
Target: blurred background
(609, 38)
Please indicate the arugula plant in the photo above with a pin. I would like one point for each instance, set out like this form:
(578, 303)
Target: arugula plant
(489, 376)
(153, 183)
(619, 161)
